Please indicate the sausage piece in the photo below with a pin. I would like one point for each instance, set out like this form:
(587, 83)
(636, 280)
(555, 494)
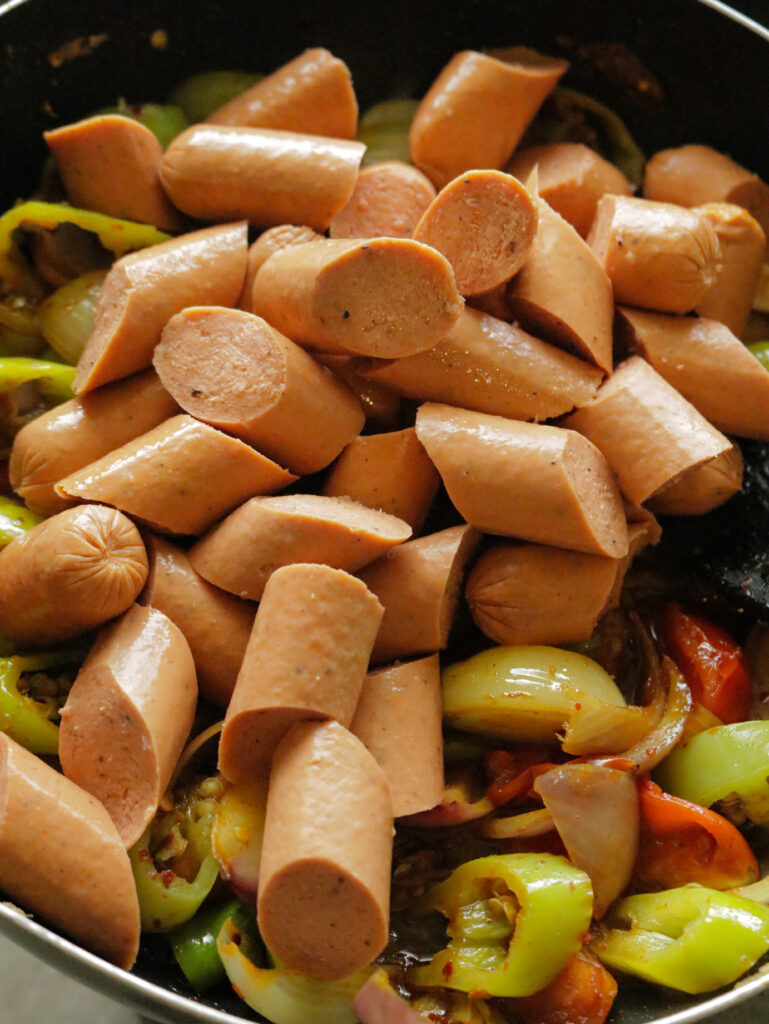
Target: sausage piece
(324, 876)
(69, 436)
(215, 624)
(419, 584)
(484, 223)
(389, 198)
(381, 405)
(525, 480)
(128, 715)
(478, 108)
(270, 241)
(144, 289)
(703, 488)
(491, 366)
(657, 255)
(127, 155)
(705, 363)
(62, 858)
(180, 477)
(648, 432)
(561, 293)
(231, 370)
(69, 574)
(241, 553)
(306, 659)
(216, 172)
(383, 297)
(399, 719)
(572, 178)
(386, 471)
(742, 243)
(312, 93)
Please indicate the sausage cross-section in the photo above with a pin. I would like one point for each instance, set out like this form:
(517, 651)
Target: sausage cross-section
(389, 198)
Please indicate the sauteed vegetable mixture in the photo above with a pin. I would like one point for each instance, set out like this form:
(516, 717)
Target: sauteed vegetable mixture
(334, 643)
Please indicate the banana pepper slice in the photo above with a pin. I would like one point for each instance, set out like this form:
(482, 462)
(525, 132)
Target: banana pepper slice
(514, 922)
(26, 720)
(15, 520)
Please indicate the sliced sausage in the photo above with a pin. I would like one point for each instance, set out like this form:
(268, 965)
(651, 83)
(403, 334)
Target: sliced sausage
(231, 370)
(692, 175)
(742, 242)
(180, 477)
(649, 434)
(127, 155)
(69, 574)
(572, 178)
(306, 659)
(270, 241)
(128, 715)
(216, 172)
(69, 436)
(561, 293)
(389, 198)
(312, 93)
(142, 290)
(419, 584)
(703, 488)
(215, 624)
(478, 108)
(657, 255)
(484, 223)
(525, 480)
(383, 297)
(381, 405)
(704, 361)
(62, 858)
(535, 594)
(324, 878)
(241, 553)
(386, 471)
(399, 719)
(491, 366)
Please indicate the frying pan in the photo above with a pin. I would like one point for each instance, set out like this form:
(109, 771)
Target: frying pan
(708, 70)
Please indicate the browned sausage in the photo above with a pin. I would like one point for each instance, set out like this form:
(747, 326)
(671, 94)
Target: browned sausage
(110, 163)
(324, 878)
(128, 715)
(215, 624)
(525, 480)
(180, 477)
(241, 553)
(572, 178)
(62, 858)
(399, 719)
(71, 573)
(270, 241)
(648, 432)
(215, 172)
(703, 488)
(704, 361)
(562, 293)
(742, 253)
(69, 436)
(657, 255)
(484, 223)
(389, 198)
(491, 366)
(312, 93)
(142, 290)
(383, 297)
(289, 407)
(419, 584)
(534, 594)
(306, 659)
(692, 175)
(478, 108)
(387, 471)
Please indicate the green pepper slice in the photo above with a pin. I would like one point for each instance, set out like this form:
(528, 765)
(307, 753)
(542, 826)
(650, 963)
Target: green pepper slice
(54, 379)
(15, 520)
(193, 945)
(514, 922)
(26, 720)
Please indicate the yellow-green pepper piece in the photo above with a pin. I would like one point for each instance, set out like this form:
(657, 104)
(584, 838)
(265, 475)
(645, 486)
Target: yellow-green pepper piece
(760, 350)
(692, 939)
(384, 130)
(202, 94)
(26, 720)
(163, 120)
(514, 921)
(54, 380)
(15, 520)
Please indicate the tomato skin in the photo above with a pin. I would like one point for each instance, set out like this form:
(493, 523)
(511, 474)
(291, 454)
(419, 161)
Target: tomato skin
(582, 993)
(712, 662)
